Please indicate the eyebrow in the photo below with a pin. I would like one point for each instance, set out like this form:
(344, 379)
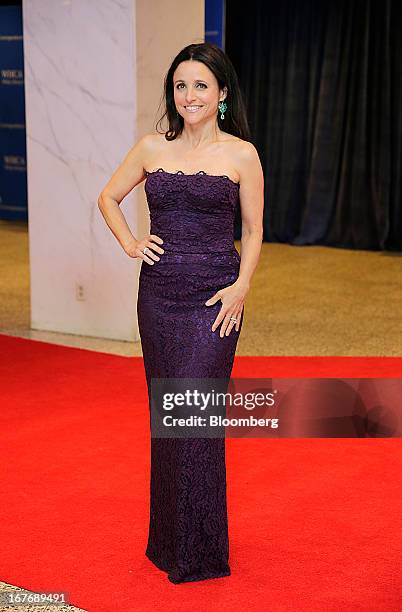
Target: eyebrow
(182, 81)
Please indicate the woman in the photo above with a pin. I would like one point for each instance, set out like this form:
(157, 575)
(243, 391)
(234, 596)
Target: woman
(192, 288)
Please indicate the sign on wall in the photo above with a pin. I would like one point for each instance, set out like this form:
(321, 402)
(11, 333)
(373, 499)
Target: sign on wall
(215, 22)
(13, 167)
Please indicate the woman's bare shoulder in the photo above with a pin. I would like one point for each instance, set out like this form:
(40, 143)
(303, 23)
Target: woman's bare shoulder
(244, 148)
(248, 161)
(153, 141)
(241, 151)
(153, 145)
(238, 145)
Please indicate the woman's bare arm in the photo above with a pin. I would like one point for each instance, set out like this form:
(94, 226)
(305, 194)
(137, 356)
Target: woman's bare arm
(129, 174)
(252, 208)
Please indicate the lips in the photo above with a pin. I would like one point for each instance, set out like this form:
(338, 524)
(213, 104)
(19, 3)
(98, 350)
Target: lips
(192, 109)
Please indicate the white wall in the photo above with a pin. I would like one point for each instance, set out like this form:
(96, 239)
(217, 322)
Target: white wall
(93, 81)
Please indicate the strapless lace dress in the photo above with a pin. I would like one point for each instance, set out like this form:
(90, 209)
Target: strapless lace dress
(194, 215)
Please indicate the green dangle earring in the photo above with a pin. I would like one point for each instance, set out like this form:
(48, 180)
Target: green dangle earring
(222, 107)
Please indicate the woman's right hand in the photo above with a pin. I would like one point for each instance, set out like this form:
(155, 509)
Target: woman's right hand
(136, 248)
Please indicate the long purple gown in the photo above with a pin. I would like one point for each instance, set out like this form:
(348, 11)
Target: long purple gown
(194, 215)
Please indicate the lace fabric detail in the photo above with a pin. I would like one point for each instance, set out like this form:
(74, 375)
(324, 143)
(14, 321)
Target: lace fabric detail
(194, 215)
(199, 173)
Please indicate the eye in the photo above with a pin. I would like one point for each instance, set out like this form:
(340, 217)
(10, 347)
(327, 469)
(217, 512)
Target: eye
(203, 86)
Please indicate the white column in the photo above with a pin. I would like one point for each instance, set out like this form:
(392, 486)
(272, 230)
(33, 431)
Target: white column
(93, 81)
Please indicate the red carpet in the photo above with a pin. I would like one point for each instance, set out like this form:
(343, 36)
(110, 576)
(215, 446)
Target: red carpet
(314, 523)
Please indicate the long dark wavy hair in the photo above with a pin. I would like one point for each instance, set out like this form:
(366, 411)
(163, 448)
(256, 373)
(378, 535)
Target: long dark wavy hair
(235, 121)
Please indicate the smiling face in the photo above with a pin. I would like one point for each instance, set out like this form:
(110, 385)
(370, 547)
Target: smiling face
(196, 91)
